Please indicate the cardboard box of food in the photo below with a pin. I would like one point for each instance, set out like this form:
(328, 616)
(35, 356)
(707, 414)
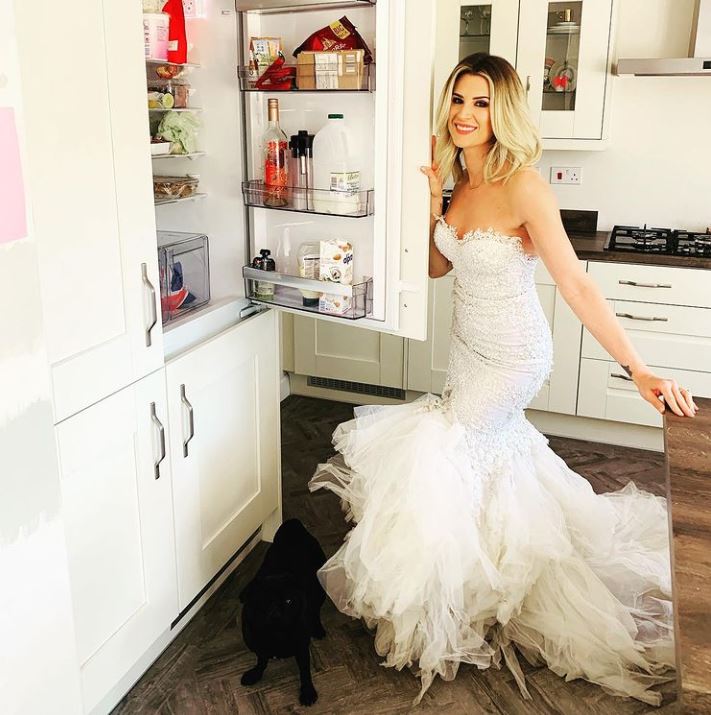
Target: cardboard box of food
(342, 69)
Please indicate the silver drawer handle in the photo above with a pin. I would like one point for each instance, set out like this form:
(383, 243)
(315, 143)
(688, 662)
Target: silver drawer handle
(191, 420)
(645, 285)
(640, 317)
(161, 437)
(622, 377)
(154, 312)
(528, 84)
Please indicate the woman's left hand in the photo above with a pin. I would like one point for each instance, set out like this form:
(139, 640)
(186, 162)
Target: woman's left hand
(678, 398)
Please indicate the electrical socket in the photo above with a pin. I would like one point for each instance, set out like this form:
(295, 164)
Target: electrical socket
(566, 175)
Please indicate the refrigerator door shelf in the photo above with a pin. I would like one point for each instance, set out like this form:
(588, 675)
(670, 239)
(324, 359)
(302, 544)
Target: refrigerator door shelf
(351, 301)
(317, 201)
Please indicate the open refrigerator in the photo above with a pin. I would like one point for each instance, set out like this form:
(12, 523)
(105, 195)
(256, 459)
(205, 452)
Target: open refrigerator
(389, 113)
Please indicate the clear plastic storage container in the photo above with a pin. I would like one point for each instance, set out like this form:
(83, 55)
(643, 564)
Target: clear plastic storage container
(183, 262)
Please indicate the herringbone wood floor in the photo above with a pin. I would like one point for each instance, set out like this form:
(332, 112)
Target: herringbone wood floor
(200, 671)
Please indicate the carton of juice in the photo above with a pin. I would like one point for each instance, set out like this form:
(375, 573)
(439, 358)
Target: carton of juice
(335, 265)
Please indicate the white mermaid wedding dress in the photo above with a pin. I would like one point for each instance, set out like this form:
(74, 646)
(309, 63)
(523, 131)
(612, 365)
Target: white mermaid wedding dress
(472, 538)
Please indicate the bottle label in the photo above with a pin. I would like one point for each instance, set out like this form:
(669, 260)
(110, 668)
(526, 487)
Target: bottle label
(275, 169)
(345, 181)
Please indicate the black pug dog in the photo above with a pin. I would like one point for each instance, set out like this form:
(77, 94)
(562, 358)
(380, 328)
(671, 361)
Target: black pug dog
(282, 605)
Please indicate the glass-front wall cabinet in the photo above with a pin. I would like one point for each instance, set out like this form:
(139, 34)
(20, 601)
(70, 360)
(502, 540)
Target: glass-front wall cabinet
(561, 51)
(563, 58)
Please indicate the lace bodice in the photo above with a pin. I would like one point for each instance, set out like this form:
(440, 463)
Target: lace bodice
(501, 346)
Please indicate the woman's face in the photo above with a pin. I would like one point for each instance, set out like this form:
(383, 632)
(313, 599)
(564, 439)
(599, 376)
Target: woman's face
(469, 118)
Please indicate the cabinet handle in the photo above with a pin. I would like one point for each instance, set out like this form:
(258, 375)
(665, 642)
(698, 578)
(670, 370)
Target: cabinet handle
(621, 376)
(161, 437)
(528, 84)
(191, 420)
(640, 317)
(154, 312)
(645, 285)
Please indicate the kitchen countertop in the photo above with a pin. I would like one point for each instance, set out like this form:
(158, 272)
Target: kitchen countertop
(590, 247)
(687, 445)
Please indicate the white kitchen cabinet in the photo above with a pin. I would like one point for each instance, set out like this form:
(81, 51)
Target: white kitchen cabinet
(468, 26)
(427, 361)
(536, 37)
(563, 58)
(607, 393)
(666, 312)
(223, 399)
(118, 516)
(331, 350)
(92, 205)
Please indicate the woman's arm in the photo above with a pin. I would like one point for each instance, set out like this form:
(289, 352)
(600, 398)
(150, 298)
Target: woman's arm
(439, 265)
(539, 213)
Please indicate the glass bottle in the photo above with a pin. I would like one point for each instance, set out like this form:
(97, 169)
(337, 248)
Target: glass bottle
(275, 148)
(264, 262)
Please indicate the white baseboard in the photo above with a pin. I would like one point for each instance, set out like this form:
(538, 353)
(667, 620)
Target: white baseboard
(114, 696)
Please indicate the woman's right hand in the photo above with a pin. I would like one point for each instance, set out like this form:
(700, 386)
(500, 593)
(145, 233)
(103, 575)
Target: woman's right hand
(433, 174)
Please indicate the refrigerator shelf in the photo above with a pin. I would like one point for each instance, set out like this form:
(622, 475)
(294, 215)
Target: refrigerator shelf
(287, 292)
(267, 6)
(194, 155)
(186, 65)
(176, 199)
(314, 201)
(173, 109)
(366, 82)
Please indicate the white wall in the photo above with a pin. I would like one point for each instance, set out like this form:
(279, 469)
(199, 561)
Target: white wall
(657, 169)
(38, 663)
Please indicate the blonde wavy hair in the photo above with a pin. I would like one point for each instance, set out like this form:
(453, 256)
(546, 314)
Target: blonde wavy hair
(516, 143)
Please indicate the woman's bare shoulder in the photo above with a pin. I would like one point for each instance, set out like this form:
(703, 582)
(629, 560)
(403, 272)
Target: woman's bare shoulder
(526, 180)
(530, 195)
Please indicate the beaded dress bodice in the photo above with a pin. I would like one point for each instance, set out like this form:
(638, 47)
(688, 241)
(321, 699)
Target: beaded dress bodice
(501, 347)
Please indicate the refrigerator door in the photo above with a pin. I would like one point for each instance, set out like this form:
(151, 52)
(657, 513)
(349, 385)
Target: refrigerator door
(390, 237)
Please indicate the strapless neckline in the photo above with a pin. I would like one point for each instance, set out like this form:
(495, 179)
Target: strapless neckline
(490, 232)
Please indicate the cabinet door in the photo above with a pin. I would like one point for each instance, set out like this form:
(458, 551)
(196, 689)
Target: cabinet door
(344, 352)
(427, 360)
(468, 26)
(118, 515)
(225, 445)
(605, 392)
(563, 60)
(88, 167)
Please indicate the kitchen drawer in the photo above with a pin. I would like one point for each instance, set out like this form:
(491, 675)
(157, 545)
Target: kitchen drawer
(653, 284)
(603, 395)
(674, 336)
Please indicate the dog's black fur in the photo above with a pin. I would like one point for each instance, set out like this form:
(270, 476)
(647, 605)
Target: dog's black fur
(282, 605)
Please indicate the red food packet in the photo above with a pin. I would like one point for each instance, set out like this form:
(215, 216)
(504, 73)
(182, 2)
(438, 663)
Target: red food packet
(339, 35)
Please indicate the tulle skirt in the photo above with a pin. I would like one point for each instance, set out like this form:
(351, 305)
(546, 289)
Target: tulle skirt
(470, 546)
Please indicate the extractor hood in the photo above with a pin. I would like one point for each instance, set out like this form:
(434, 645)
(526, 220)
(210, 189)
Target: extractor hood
(697, 64)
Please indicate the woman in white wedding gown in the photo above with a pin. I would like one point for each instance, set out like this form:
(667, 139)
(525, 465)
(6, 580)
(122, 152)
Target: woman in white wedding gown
(473, 539)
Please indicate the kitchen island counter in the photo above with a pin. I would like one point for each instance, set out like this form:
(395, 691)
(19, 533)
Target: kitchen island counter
(687, 446)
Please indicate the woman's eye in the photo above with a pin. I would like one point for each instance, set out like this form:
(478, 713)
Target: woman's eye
(456, 100)
(482, 103)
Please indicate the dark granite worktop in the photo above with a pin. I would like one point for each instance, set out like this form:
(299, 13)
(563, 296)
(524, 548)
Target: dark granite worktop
(687, 444)
(590, 247)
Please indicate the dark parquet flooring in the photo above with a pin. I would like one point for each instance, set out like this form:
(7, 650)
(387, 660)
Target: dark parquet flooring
(199, 673)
